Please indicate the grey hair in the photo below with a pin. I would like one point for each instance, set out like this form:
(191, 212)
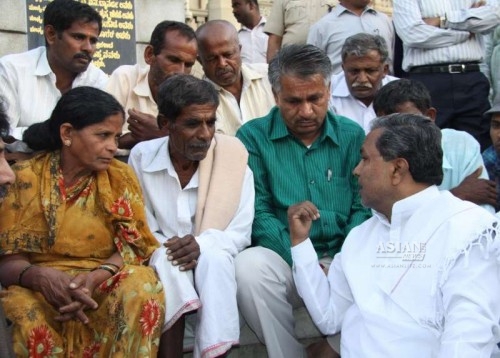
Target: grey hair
(301, 61)
(414, 138)
(362, 43)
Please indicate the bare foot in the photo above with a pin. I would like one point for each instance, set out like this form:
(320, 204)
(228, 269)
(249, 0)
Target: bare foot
(321, 349)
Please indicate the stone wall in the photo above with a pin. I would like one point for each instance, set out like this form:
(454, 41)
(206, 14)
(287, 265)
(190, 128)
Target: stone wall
(13, 24)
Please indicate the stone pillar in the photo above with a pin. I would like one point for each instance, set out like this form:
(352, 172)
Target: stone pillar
(13, 27)
(148, 13)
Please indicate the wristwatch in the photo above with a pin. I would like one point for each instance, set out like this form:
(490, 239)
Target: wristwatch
(442, 22)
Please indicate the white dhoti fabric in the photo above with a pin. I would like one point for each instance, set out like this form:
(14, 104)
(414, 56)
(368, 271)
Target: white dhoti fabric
(217, 322)
(180, 295)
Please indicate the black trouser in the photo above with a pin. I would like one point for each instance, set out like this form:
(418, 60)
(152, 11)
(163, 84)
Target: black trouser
(461, 100)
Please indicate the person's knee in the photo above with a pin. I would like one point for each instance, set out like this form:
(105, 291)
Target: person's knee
(216, 258)
(255, 267)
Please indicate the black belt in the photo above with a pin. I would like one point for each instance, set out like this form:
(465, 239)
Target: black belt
(445, 68)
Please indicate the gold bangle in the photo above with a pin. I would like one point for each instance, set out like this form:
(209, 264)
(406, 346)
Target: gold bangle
(21, 274)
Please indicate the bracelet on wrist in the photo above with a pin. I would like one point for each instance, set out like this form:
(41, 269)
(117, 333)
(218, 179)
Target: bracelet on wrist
(108, 268)
(21, 274)
(118, 268)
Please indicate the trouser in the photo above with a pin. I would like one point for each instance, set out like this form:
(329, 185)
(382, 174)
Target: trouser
(461, 100)
(267, 297)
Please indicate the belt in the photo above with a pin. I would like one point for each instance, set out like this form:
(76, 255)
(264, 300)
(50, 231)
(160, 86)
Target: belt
(445, 68)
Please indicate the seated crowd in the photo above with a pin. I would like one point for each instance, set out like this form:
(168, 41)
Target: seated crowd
(140, 206)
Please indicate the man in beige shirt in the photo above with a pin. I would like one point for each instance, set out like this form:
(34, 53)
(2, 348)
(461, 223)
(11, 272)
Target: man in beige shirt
(289, 22)
(172, 50)
(244, 89)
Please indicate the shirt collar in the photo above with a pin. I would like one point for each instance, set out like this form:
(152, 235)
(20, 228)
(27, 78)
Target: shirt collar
(405, 208)
(339, 10)
(247, 73)
(262, 22)
(279, 129)
(43, 69)
(142, 88)
(161, 161)
(42, 65)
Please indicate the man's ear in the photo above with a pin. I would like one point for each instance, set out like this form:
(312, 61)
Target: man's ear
(50, 34)
(400, 171)
(163, 122)
(149, 55)
(386, 69)
(431, 113)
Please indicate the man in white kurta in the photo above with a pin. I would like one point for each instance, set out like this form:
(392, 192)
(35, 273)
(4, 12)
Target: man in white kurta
(418, 279)
(215, 205)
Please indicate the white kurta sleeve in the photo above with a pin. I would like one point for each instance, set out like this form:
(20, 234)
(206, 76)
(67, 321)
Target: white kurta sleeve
(327, 298)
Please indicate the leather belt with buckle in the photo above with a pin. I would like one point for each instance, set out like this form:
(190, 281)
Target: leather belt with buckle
(447, 68)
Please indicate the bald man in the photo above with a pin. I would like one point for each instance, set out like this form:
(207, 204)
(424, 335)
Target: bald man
(244, 89)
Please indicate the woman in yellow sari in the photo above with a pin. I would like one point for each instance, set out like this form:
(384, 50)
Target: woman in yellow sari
(74, 239)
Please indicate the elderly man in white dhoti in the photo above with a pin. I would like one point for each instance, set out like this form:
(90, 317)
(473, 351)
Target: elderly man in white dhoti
(199, 197)
(418, 279)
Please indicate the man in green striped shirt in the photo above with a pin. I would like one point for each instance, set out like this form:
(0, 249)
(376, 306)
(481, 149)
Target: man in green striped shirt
(298, 152)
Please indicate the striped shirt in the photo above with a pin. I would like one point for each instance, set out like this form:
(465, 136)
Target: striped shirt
(331, 31)
(287, 172)
(459, 42)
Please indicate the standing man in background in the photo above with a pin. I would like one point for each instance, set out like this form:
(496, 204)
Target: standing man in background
(348, 18)
(253, 39)
(443, 47)
(289, 22)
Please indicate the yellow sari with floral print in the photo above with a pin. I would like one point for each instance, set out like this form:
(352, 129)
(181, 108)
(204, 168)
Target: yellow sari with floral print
(74, 230)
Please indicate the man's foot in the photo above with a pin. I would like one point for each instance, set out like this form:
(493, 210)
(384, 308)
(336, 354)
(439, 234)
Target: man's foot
(321, 349)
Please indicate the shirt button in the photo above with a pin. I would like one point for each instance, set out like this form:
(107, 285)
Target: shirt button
(312, 182)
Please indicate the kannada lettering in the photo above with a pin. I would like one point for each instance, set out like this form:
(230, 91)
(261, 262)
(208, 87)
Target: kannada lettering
(116, 44)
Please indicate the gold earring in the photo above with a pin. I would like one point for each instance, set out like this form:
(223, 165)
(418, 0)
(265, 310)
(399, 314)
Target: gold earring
(67, 142)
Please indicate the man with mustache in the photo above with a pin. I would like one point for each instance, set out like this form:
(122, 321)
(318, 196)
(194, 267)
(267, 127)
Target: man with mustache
(33, 81)
(299, 151)
(365, 68)
(199, 198)
(172, 49)
(244, 90)
(418, 279)
(6, 178)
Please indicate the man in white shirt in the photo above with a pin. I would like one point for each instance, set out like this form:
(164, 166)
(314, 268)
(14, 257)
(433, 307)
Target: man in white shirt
(172, 49)
(464, 172)
(244, 90)
(365, 68)
(253, 39)
(443, 46)
(33, 81)
(199, 197)
(348, 18)
(418, 279)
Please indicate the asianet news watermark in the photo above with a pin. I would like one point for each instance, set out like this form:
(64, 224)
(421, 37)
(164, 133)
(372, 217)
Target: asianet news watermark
(405, 251)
